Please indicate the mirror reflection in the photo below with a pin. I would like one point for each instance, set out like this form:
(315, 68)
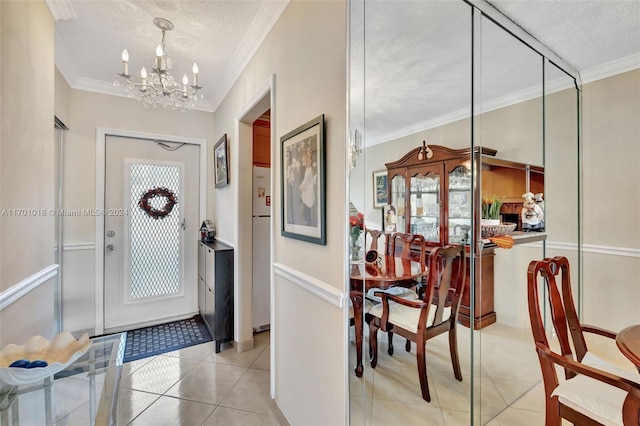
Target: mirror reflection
(454, 154)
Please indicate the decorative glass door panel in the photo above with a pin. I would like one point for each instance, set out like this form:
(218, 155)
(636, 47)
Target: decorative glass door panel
(398, 200)
(425, 206)
(459, 205)
(155, 245)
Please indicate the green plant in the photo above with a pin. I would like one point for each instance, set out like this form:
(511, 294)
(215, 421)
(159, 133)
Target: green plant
(491, 207)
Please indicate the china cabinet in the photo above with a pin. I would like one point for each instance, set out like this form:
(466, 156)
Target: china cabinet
(432, 195)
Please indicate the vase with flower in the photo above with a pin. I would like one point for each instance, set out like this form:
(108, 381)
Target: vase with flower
(356, 226)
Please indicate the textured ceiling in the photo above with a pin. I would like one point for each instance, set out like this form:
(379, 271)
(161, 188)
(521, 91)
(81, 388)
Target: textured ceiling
(411, 60)
(415, 56)
(220, 36)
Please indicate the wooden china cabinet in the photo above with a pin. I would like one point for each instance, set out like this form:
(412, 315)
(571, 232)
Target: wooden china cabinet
(433, 198)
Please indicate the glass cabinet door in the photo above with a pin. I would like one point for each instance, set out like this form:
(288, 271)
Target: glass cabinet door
(424, 203)
(459, 205)
(398, 190)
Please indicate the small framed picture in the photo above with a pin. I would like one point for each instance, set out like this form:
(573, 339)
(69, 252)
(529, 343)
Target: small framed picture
(303, 183)
(389, 219)
(380, 188)
(221, 162)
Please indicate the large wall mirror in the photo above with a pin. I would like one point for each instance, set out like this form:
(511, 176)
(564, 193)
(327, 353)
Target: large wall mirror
(452, 108)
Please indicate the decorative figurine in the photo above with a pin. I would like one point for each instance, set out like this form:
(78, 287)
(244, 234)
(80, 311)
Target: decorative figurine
(532, 214)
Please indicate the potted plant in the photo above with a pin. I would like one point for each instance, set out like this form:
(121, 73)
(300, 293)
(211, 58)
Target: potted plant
(491, 210)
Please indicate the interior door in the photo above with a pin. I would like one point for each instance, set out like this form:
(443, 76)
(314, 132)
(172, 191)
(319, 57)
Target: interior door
(151, 232)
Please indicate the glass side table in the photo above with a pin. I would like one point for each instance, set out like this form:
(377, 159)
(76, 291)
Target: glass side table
(87, 390)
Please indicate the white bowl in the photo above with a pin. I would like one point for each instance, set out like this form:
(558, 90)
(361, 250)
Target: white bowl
(59, 353)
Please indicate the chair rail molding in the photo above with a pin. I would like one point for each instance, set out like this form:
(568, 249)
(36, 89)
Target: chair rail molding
(311, 284)
(590, 248)
(15, 292)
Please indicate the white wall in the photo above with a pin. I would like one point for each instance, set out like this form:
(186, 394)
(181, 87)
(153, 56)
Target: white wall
(306, 52)
(86, 112)
(26, 165)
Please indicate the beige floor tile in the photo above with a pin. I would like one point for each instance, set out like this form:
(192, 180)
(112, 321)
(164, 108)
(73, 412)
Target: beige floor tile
(511, 390)
(131, 366)
(456, 395)
(264, 360)
(172, 411)
(402, 384)
(516, 417)
(132, 403)
(362, 386)
(533, 400)
(79, 417)
(196, 352)
(207, 382)
(158, 375)
(232, 357)
(223, 416)
(360, 411)
(251, 393)
(462, 418)
(387, 412)
(261, 339)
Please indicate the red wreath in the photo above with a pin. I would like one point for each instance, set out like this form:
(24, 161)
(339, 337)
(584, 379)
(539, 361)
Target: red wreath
(158, 192)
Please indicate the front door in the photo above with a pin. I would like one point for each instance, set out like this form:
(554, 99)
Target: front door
(151, 231)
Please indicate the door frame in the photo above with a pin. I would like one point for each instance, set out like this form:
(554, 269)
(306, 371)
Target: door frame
(101, 162)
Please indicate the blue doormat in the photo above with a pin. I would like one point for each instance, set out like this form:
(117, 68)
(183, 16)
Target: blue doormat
(159, 339)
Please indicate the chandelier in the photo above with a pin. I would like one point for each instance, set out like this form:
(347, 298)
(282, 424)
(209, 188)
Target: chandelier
(159, 87)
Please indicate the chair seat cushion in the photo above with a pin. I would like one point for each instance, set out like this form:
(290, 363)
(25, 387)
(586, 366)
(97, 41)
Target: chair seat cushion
(366, 307)
(593, 398)
(406, 317)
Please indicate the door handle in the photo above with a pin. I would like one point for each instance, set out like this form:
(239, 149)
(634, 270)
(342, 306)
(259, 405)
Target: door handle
(110, 247)
(183, 225)
(111, 234)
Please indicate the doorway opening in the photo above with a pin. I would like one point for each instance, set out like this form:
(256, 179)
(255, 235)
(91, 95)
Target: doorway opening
(261, 223)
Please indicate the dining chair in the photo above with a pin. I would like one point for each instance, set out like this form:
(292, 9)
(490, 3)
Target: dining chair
(594, 391)
(420, 320)
(372, 236)
(411, 247)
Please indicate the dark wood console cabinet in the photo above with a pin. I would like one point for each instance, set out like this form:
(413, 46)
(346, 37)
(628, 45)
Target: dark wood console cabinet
(215, 290)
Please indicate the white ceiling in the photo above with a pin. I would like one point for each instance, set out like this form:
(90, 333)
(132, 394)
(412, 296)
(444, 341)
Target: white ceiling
(220, 36)
(417, 52)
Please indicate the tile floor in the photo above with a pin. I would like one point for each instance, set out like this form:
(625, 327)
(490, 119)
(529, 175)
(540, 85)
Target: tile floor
(507, 375)
(189, 387)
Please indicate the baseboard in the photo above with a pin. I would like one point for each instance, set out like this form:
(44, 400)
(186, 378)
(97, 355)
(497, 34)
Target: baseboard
(277, 413)
(247, 345)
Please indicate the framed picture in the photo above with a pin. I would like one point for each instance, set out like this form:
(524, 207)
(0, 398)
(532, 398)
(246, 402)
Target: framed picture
(303, 182)
(390, 219)
(380, 188)
(221, 162)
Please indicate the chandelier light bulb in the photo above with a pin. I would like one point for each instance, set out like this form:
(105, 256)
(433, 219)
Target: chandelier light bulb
(158, 86)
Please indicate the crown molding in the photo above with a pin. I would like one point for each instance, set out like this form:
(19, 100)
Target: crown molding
(267, 16)
(61, 9)
(599, 72)
(98, 86)
(612, 68)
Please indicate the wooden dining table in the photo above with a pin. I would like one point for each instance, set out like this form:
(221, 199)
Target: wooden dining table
(628, 341)
(387, 272)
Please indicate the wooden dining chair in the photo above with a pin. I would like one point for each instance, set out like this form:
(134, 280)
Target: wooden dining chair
(420, 320)
(372, 237)
(594, 392)
(410, 247)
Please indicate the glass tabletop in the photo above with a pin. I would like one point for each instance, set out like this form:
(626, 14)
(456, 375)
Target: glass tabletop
(86, 392)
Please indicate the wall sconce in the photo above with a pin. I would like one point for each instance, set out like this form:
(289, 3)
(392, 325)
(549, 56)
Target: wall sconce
(355, 147)
(425, 152)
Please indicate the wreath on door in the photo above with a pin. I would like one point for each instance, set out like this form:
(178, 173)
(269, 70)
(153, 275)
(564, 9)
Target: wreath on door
(151, 211)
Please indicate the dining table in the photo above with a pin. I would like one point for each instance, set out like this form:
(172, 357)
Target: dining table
(387, 271)
(628, 341)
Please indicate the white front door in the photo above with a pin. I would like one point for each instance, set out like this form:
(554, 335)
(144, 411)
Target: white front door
(151, 231)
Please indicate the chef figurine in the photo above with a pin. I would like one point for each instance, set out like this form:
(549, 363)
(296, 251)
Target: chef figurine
(540, 202)
(532, 214)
